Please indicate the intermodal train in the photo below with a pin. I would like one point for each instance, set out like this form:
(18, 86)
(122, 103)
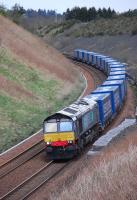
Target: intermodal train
(69, 130)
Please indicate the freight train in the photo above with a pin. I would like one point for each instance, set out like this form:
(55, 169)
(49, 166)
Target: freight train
(69, 130)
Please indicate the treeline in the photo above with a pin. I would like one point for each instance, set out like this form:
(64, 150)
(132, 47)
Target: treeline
(83, 14)
(40, 12)
(17, 11)
(130, 13)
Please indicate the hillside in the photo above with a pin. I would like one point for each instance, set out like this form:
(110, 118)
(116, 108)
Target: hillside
(35, 80)
(116, 37)
(74, 28)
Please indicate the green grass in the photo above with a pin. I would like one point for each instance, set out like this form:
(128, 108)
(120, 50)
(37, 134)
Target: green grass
(29, 78)
(20, 117)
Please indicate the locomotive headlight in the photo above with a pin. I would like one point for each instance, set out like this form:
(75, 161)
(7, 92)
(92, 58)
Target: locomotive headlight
(70, 141)
(48, 143)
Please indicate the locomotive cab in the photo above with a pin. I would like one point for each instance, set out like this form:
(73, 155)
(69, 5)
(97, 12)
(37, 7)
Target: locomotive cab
(59, 136)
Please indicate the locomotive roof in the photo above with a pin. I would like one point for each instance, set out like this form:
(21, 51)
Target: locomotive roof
(78, 108)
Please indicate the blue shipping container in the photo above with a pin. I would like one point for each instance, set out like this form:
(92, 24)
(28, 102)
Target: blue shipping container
(102, 61)
(119, 83)
(98, 63)
(118, 77)
(117, 73)
(87, 58)
(117, 69)
(108, 60)
(76, 54)
(115, 97)
(91, 57)
(116, 65)
(94, 58)
(81, 55)
(104, 106)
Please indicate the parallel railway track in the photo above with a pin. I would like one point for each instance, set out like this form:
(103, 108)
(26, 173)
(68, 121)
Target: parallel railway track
(20, 159)
(34, 182)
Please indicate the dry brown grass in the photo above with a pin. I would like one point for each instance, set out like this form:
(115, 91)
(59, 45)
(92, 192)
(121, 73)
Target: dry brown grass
(111, 176)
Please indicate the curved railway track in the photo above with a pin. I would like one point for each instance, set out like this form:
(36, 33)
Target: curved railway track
(97, 75)
(29, 185)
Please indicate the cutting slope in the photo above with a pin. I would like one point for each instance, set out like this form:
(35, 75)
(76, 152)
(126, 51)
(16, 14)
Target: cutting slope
(34, 51)
(35, 80)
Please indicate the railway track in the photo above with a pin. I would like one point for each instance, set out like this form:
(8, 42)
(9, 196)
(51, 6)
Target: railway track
(34, 182)
(97, 75)
(29, 185)
(20, 159)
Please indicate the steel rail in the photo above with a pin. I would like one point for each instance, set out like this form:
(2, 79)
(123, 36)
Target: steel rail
(21, 185)
(21, 158)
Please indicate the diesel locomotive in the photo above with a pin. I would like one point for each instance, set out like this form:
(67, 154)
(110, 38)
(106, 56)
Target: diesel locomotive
(69, 130)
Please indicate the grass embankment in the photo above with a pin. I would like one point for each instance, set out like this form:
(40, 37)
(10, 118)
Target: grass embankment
(115, 26)
(31, 98)
(109, 176)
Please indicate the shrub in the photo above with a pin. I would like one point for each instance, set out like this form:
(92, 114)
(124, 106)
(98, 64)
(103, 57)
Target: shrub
(134, 31)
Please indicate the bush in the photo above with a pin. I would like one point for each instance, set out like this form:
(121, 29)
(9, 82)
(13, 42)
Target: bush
(101, 33)
(134, 31)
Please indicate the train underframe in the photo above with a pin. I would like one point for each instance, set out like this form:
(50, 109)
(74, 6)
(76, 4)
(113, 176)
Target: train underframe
(57, 153)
